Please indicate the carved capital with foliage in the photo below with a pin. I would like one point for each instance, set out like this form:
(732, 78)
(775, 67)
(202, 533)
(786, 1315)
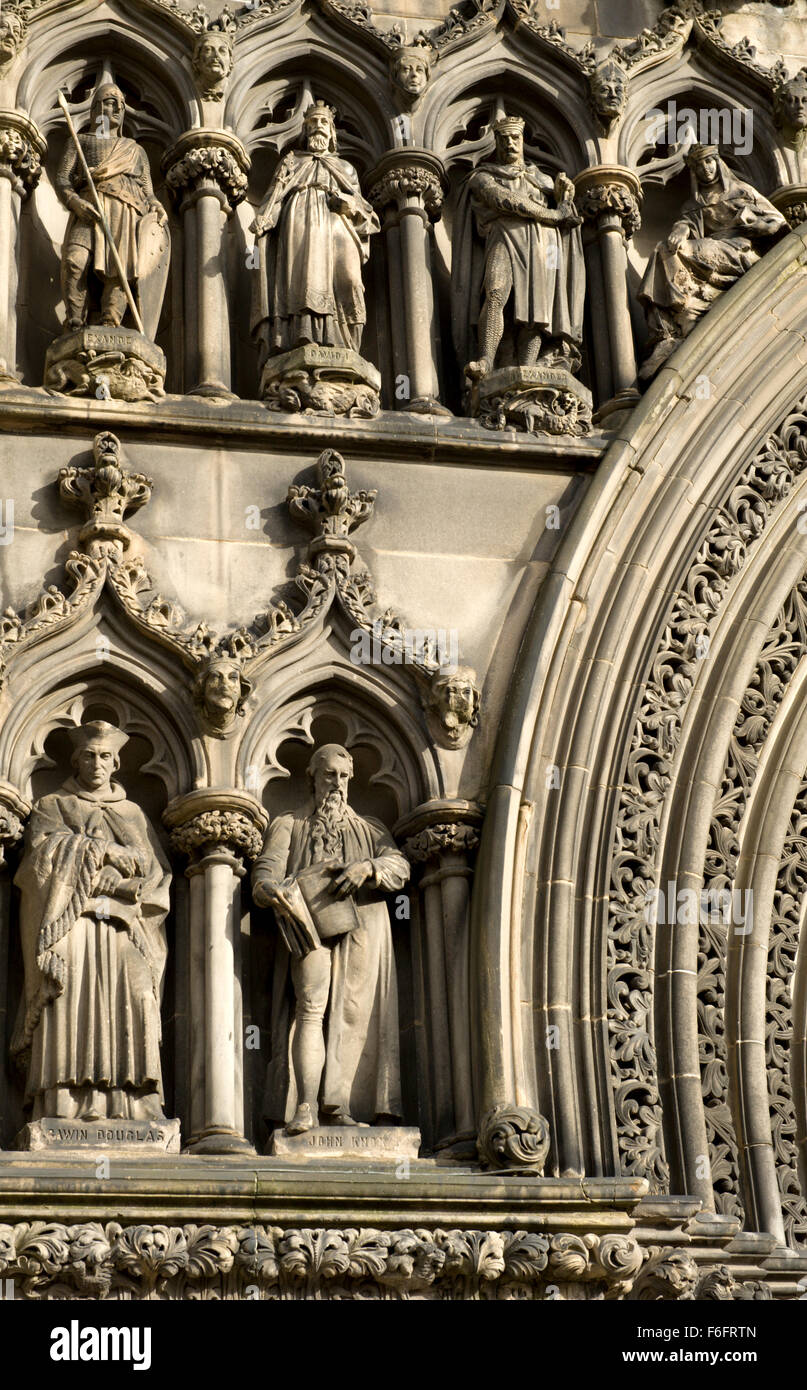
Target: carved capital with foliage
(210, 822)
(513, 1136)
(21, 151)
(409, 180)
(207, 162)
(610, 195)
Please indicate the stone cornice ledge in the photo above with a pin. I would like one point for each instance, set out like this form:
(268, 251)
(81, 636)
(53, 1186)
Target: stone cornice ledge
(267, 1190)
(31, 410)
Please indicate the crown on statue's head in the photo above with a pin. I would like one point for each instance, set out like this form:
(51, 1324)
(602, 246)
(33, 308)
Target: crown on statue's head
(320, 108)
(508, 125)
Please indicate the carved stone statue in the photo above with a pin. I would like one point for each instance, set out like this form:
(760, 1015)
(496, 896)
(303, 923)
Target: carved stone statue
(411, 67)
(212, 63)
(220, 691)
(100, 261)
(518, 276)
(313, 228)
(724, 229)
(345, 1065)
(790, 108)
(94, 887)
(453, 705)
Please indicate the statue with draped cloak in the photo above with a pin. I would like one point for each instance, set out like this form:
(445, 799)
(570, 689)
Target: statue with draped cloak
(335, 1046)
(724, 229)
(518, 275)
(94, 886)
(314, 230)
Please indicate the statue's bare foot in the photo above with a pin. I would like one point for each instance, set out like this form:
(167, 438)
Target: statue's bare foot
(476, 370)
(302, 1120)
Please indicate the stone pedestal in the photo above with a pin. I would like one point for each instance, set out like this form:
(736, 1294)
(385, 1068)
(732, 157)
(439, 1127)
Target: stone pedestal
(108, 363)
(373, 1143)
(131, 1136)
(537, 400)
(321, 380)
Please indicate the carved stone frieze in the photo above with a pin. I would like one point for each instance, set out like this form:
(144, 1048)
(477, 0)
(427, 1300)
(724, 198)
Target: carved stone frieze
(111, 1261)
(514, 1137)
(739, 523)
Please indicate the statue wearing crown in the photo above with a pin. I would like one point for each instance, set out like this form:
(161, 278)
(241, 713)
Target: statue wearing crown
(115, 260)
(94, 887)
(313, 229)
(518, 286)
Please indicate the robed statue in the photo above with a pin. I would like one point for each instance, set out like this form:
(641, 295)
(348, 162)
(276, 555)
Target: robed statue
(94, 886)
(314, 230)
(724, 228)
(92, 284)
(335, 1047)
(518, 275)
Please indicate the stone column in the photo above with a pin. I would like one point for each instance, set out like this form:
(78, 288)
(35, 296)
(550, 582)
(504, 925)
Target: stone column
(21, 151)
(14, 811)
(217, 830)
(791, 200)
(440, 839)
(608, 198)
(406, 188)
(206, 171)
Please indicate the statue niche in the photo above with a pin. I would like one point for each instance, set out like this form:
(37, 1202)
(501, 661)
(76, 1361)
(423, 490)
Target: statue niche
(724, 228)
(335, 1045)
(308, 315)
(94, 887)
(114, 262)
(518, 287)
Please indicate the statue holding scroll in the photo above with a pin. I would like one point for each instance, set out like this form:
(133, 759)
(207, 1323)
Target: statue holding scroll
(335, 1049)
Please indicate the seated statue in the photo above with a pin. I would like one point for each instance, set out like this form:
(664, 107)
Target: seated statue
(724, 229)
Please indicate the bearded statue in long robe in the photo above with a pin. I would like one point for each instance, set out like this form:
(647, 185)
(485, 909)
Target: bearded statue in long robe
(120, 172)
(517, 271)
(94, 886)
(335, 1046)
(724, 229)
(314, 230)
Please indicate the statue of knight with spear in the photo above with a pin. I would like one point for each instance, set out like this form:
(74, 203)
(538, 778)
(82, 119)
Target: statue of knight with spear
(116, 238)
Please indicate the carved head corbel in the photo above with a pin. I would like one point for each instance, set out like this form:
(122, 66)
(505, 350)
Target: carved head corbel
(790, 108)
(452, 705)
(411, 70)
(220, 693)
(212, 57)
(608, 93)
(13, 33)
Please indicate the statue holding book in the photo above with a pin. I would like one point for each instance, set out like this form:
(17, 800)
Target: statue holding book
(335, 1049)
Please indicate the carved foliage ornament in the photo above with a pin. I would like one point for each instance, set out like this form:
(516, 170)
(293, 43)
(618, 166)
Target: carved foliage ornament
(667, 690)
(51, 1260)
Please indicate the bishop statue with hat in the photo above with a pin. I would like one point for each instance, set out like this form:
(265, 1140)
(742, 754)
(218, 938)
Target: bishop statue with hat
(94, 886)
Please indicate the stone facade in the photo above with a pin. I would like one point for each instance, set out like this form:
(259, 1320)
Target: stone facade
(403, 762)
